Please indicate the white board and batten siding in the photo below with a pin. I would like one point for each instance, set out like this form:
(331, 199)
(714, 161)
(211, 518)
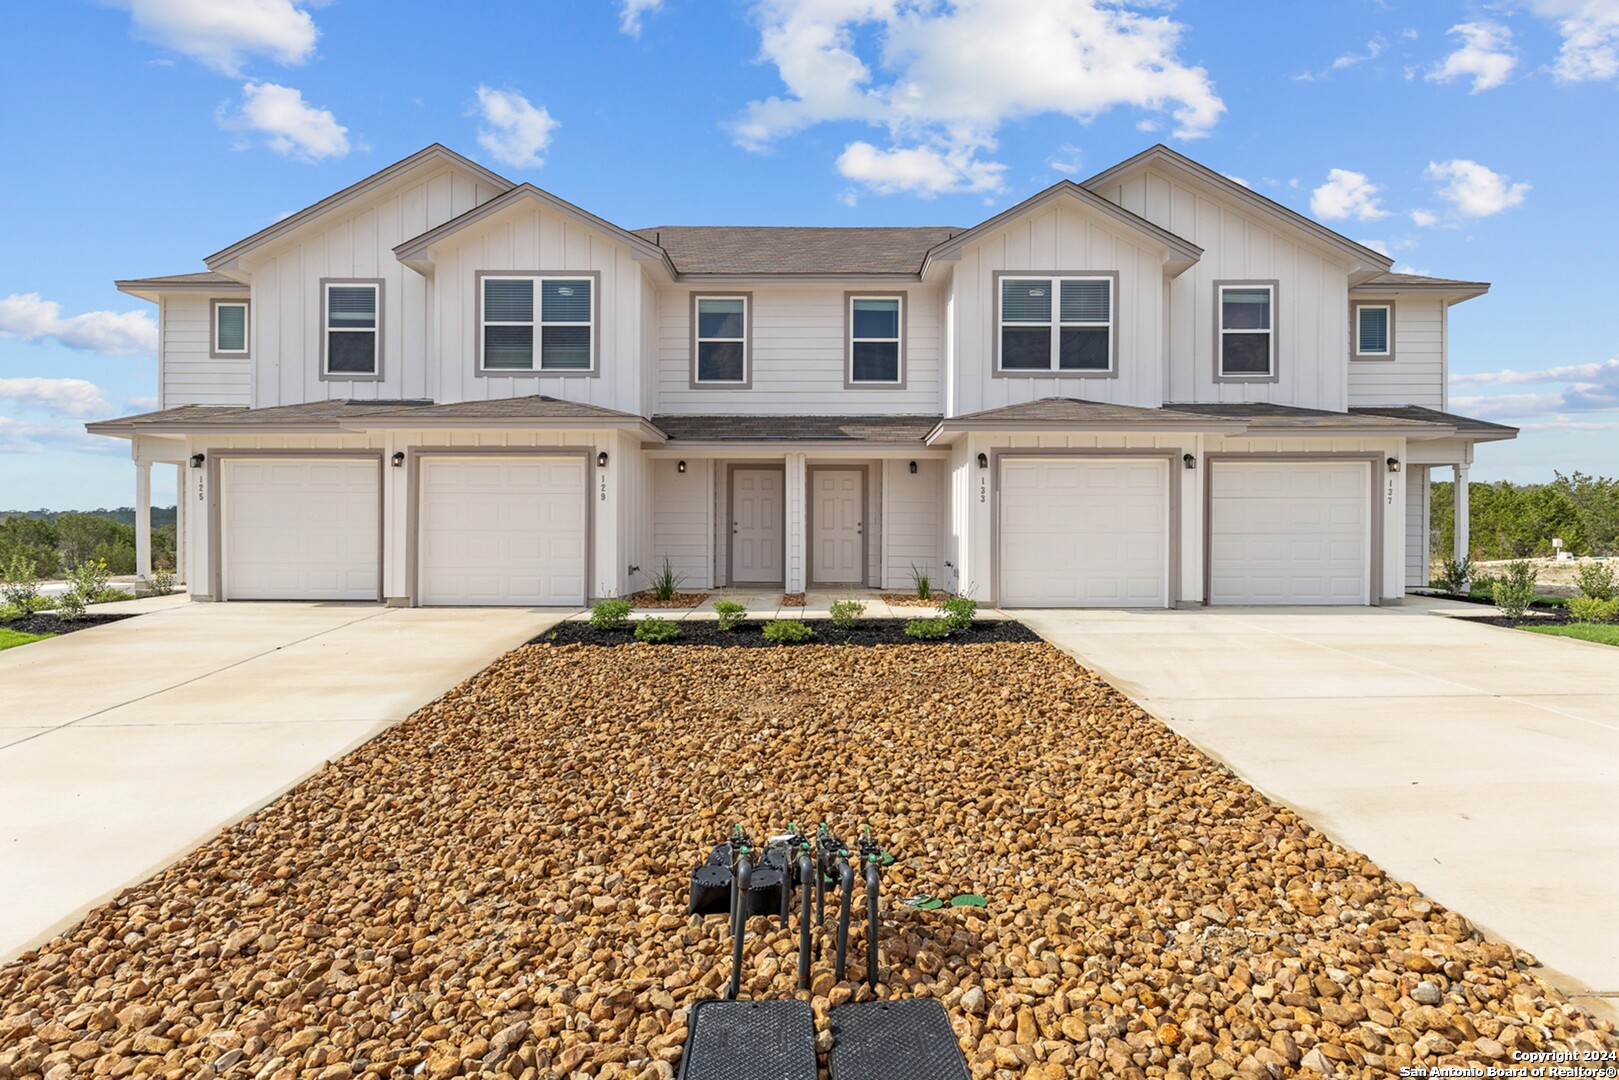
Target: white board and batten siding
(1416, 375)
(914, 506)
(189, 375)
(1418, 545)
(683, 520)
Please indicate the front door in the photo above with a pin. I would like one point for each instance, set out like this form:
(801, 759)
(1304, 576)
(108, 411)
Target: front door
(837, 526)
(757, 526)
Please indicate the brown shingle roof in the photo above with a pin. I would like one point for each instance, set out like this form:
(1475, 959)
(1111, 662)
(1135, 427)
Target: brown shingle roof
(1464, 425)
(384, 412)
(889, 429)
(763, 249)
(1078, 411)
(1420, 279)
(1263, 416)
(198, 279)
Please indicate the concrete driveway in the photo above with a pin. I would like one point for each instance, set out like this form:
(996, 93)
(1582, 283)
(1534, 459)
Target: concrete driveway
(126, 745)
(1478, 763)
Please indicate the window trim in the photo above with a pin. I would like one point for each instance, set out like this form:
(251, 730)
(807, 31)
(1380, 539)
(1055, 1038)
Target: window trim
(1354, 331)
(849, 381)
(746, 382)
(214, 351)
(1275, 332)
(350, 376)
(480, 372)
(1055, 372)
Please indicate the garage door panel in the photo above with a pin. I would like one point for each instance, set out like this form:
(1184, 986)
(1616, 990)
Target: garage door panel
(300, 529)
(1289, 532)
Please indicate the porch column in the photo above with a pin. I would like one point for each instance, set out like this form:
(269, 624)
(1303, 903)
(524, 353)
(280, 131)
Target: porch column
(143, 519)
(180, 522)
(796, 496)
(1463, 545)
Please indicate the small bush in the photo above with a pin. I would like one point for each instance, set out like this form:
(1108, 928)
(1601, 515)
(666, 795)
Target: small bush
(610, 615)
(1453, 576)
(90, 578)
(845, 612)
(928, 629)
(730, 613)
(656, 631)
(1595, 580)
(1594, 609)
(922, 582)
(959, 612)
(111, 595)
(70, 605)
(788, 632)
(667, 582)
(1516, 590)
(20, 587)
(160, 582)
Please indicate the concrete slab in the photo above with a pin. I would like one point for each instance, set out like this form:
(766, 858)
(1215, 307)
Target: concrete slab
(1480, 764)
(124, 746)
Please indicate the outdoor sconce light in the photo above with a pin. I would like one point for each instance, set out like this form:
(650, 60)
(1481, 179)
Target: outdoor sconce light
(983, 461)
(680, 467)
(913, 468)
(601, 460)
(1189, 460)
(196, 461)
(1394, 464)
(398, 458)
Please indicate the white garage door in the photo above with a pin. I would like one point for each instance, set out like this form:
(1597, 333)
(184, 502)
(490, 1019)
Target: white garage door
(1290, 532)
(1084, 532)
(503, 530)
(300, 529)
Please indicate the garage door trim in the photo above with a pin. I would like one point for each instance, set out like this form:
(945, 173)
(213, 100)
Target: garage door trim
(1114, 453)
(216, 504)
(1377, 492)
(413, 520)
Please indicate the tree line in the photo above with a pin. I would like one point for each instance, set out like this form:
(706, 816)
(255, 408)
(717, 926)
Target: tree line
(57, 541)
(1519, 521)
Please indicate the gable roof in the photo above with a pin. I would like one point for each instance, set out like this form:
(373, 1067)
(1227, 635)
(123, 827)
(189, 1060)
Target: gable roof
(1163, 155)
(205, 281)
(354, 191)
(792, 250)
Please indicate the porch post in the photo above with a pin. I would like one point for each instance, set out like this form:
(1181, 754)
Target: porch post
(1463, 545)
(143, 519)
(180, 522)
(796, 494)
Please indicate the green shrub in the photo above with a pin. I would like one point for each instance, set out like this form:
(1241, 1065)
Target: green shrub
(1596, 580)
(111, 595)
(959, 612)
(730, 613)
(160, 582)
(89, 578)
(788, 631)
(1516, 590)
(667, 583)
(70, 605)
(20, 588)
(845, 612)
(610, 615)
(656, 631)
(928, 629)
(1453, 576)
(1594, 609)
(922, 582)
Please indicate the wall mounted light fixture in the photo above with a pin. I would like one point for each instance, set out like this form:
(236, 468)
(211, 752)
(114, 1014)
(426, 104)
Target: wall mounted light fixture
(1394, 464)
(983, 461)
(1189, 460)
(196, 461)
(913, 468)
(681, 467)
(601, 459)
(398, 458)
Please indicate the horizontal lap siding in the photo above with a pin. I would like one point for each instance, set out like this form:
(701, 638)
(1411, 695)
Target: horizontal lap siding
(1416, 375)
(189, 375)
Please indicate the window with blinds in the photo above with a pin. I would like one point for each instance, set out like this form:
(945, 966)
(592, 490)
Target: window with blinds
(1059, 324)
(230, 328)
(352, 327)
(1247, 331)
(875, 324)
(721, 339)
(1373, 330)
(537, 323)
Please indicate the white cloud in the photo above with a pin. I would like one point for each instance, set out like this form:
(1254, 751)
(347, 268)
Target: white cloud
(37, 436)
(1068, 159)
(223, 33)
(1590, 31)
(899, 65)
(290, 126)
(64, 397)
(515, 132)
(1424, 218)
(632, 11)
(1485, 55)
(1374, 48)
(110, 333)
(1586, 389)
(1347, 194)
(1379, 246)
(1606, 370)
(1473, 189)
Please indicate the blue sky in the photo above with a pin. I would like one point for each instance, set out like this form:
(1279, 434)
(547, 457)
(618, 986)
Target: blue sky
(1471, 140)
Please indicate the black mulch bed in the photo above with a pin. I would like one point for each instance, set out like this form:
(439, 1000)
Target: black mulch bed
(751, 634)
(1536, 606)
(1541, 617)
(48, 622)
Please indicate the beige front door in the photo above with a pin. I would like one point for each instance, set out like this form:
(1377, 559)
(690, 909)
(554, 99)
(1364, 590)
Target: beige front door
(757, 526)
(837, 526)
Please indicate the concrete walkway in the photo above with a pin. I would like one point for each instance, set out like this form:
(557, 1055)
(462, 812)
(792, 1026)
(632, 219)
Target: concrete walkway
(1479, 763)
(126, 745)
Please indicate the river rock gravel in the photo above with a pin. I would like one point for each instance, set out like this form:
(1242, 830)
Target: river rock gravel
(497, 887)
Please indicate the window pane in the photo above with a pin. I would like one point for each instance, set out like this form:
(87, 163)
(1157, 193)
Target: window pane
(508, 301)
(1086, 301)
(231, 335)
(876, 361)
(566, 347)
(352, 306)
(719, 361)
(720, 318)
(351, 354)
(565, 301)
(508, 347)
(1025, 350)
(1085, 350)
(1025, 300)
(1374, 330)
(1246, 354)
(1245, 309)
(876, 318)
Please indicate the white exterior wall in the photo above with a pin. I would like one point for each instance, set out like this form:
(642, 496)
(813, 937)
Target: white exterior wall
(683, 522)
(187, 375)
(1417, 506)
(1416, 375)
(912, 521)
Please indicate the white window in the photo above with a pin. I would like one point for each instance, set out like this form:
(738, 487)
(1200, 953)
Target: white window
(876, 324)
(1373, 336)
(353, 335)
(1056, 324)
(720, 339)
(557, 334)
(230, 328)
(1246, 339)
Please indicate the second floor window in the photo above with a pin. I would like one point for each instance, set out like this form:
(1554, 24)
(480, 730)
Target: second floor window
(230, 328)
(721, 341)
(1247, 336)
(1060, 324)
(1374, 335)
(875, 347)
(537, 324)
(353, 334)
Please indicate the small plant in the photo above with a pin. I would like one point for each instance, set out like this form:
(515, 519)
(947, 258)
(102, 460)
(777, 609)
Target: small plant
(667, 582)
(20, 588)
(959, 612)
(1453, 576)
(111, 595)
(1593, 609)
(1595, 580)
(610, 615)
(730, 613)
(71, 604)
(928, 629)
(845, 612)
(91, 578)
(656, 631)
(1516, 589)
(922, 582)
(788, 632)
(160, 582)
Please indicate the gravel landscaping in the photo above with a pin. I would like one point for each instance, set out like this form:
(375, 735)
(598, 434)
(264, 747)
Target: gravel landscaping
(497, 886)
(646, 598)
(750, 634)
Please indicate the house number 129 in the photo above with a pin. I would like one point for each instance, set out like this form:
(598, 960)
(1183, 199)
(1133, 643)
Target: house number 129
(604, 489)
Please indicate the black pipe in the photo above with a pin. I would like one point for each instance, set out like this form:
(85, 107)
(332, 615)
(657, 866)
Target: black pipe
(739, 923)
(822, 869)
(873, 878)
(846, 882)
(786, 889)
(805, 868)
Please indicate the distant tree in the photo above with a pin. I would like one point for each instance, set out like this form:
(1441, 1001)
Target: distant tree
(1518, 521)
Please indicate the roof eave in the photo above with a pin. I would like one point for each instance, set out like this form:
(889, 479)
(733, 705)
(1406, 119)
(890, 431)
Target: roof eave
(948, 430)
(527, 423)
(1456, 292)
(776, 446)
(151, 291)
(1258, 429)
